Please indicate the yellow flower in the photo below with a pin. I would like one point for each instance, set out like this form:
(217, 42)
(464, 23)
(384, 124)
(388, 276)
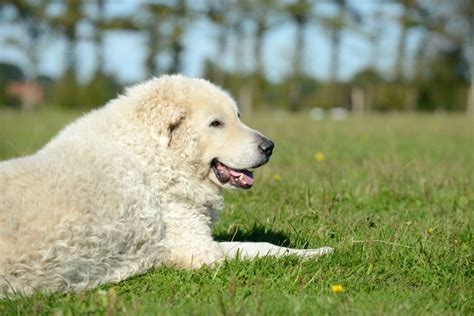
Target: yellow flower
(319, 156)
(429, 230)
(337, 288)
(276, 177)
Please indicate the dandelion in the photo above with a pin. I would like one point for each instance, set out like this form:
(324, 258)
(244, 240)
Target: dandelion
(319, 156)
(337, 288)
(276, 177)
(430, 230)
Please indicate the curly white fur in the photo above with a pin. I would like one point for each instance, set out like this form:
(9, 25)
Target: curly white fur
(121, 190)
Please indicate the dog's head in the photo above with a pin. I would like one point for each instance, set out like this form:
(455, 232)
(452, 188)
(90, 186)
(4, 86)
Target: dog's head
(202, 121)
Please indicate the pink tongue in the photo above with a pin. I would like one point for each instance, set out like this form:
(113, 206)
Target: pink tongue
(247, 179)
(235, 173)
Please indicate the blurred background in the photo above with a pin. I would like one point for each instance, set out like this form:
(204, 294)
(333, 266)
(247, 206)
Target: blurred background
(355, 56)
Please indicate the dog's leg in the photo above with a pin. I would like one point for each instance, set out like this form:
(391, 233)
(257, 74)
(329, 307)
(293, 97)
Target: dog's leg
(249, 250)
(188, 240)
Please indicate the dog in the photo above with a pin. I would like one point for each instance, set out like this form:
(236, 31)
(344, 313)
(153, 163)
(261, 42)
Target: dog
(133, 185)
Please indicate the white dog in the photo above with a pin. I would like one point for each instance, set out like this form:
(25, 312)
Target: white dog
(131, 186)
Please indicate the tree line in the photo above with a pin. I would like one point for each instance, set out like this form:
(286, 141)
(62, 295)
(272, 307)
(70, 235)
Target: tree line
(438, 75)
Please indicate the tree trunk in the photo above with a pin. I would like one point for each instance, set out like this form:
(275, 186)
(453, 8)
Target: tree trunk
(258, 72)
(151, 66)
(470, 94)
(334, 62)
(470, 57)
(296, 84)
(176, 52)
(178, 30)
(222, 44)
(336, 35)
(99, 38)
(358, 101)
(401, 46)
(470, 101)
(238, 49)
(258, 48)
(70, 31)
(244, 87)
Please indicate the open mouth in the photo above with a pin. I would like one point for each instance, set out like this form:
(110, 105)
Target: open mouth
(240, 178)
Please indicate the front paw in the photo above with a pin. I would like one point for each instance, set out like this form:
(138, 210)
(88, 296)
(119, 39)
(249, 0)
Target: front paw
(209, 259)
(197, 259)
(308, 253)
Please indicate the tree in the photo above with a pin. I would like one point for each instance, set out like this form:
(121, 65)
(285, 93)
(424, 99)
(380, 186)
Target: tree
(336, 25)
(408, 20)
(153, 13)
(265, 16)
(8, 73)
(32, 16)
(180, 18)
(449, 29)
(102, 24)
(300, 14)
(467, 12)
(66, 22)
(165, 25)
(216, 13)
(230, 18)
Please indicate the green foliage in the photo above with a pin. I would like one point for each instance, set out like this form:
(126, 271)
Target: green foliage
(67, 93)
(444, 82)
(397, 209)
(330, 96)
(9, 73)
(367, 77)
(99, 90)
(430, 76)
(392, 96)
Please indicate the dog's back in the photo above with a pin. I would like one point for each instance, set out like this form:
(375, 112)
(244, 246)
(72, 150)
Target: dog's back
(70, 214)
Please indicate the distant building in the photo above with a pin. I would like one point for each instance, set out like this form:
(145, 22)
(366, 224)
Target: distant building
(30, 94)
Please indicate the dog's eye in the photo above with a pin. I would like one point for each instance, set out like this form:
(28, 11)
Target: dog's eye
(216, 123)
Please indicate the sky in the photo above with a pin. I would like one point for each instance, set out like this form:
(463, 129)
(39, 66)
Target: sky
(125, 51)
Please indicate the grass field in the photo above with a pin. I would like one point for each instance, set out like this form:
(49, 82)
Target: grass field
(392, 194)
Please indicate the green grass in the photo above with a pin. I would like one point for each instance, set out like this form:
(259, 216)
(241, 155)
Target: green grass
(384, 182)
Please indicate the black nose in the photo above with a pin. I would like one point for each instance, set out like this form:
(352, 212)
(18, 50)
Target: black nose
(266, 147)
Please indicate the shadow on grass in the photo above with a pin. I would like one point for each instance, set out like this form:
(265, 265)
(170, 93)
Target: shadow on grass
(255, 233)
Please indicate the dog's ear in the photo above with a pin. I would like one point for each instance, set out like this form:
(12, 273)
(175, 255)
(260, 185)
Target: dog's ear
(177, 134)
(169, 117)
(160, 107)
(163, 120)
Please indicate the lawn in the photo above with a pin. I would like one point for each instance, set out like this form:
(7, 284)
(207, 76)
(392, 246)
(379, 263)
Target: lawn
(392, 194)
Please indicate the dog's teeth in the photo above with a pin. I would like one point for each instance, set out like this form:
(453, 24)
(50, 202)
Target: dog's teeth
(241, 178)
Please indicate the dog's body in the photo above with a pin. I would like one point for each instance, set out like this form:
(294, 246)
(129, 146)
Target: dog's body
(133, 185)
